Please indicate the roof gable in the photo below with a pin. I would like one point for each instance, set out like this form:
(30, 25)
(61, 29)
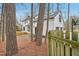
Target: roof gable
(51, 16)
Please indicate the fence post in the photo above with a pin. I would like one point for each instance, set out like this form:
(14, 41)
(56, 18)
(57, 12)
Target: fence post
(49, 43)
(70, 35)
(64, 34)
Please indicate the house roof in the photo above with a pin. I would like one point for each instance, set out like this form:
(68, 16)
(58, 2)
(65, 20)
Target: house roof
(27, 18)
(52, 15)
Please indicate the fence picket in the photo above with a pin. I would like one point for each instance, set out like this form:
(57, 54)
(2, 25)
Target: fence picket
(57, 47)
(67, 50)
(75, 52)
(62, 49)
(52, 47)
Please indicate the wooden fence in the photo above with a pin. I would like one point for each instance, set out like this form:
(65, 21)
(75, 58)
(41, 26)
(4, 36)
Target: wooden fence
(62, 47)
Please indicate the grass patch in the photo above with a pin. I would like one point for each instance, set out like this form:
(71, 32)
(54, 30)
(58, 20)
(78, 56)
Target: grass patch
(18, 33)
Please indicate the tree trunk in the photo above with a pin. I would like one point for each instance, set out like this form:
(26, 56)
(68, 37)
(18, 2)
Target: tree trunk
(11, 42)
(52, 7)
(40, 24)
(47, 21)
(0, 30)
(1, 25)
(68, 17)
(57, 6)
(31, 22)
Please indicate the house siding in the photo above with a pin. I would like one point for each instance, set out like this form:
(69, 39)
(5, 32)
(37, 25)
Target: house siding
(53, 23)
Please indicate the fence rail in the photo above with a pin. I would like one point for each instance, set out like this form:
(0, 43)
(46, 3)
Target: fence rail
(62, 47)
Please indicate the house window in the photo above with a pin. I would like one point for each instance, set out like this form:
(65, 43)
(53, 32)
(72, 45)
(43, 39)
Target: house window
(59, 18)
(28, 27)
(57, 28)
(61, 29)
(24, 28)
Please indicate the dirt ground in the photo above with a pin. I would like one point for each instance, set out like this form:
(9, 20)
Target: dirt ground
(27, 48)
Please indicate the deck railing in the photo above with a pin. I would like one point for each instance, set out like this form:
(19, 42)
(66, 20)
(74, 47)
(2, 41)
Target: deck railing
(62, 47)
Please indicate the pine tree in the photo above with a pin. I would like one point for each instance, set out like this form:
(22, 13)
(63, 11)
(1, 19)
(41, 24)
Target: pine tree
(11, 42)
(47, 21)
(31, 22)
(40, 24)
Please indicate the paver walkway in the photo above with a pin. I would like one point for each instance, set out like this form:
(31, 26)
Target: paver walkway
(28, 48)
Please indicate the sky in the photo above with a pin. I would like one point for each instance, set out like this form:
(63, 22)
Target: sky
(23, 10)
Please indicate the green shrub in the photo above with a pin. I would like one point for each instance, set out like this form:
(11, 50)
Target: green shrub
(67, 35)
(61, 34)
(75, 36)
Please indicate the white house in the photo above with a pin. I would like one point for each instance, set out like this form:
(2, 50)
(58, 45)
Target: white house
(55, 23)
(26, 24)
